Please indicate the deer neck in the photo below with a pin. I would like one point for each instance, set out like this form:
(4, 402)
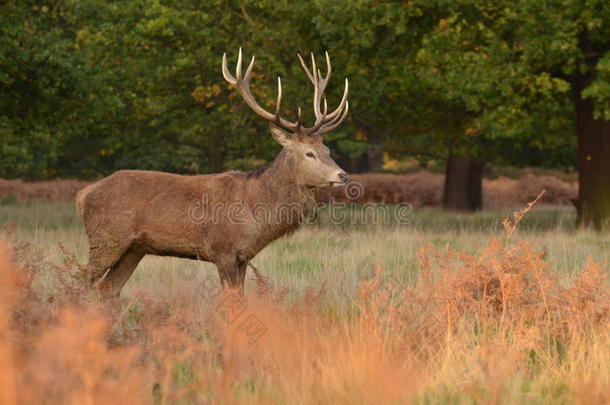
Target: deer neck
(281, 184)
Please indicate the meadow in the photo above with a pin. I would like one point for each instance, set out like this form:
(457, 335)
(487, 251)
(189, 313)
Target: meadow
(439, 308)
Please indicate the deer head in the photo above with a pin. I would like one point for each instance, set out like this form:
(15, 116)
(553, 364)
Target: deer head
(307, 155)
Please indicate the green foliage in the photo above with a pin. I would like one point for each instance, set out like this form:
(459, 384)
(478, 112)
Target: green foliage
(479, 59)
(42, 87)
(599, 89)
(377, 42)
(159, 66)
(90, 86)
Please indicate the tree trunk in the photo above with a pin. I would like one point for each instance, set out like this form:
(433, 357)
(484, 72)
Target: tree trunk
(593, 203)
(217, 152)
(374, 157)
(463, 183)
(217, 163)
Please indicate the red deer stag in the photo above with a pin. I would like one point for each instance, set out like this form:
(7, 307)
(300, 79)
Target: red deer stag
(224, 218)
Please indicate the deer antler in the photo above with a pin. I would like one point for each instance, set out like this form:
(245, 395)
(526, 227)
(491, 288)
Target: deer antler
(324, 122)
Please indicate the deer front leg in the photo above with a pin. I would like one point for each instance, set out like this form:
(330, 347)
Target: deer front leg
(232, 272)
(112, 284)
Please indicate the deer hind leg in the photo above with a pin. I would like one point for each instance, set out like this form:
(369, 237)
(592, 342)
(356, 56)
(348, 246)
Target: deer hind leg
(119, 273)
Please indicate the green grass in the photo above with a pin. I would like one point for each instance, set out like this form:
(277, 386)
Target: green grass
(336, 254)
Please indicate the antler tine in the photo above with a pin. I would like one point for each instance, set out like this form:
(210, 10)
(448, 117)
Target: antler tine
(238, 70)
(322, 118)
(298, 123)
(317, 95)
(305, 68)
(242, 85)
(319, 122)
(334, 123)
(329, 69)
(314, 69)
(246, 77)
(225, 70)
(323, 80)
(278, 103)
(339, 109)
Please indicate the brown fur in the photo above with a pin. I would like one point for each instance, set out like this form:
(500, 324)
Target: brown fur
(81, 195)
(208, 217)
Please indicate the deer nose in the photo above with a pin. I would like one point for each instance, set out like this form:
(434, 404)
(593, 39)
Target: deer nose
(344, 177)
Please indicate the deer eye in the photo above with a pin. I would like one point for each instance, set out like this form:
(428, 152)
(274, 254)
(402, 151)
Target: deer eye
(310, 155)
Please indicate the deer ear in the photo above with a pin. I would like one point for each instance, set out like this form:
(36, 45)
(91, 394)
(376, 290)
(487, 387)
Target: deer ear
(282, 137)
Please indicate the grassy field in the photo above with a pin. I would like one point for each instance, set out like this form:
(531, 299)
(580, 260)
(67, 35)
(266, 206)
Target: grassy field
(437, 309)
(335, 253)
